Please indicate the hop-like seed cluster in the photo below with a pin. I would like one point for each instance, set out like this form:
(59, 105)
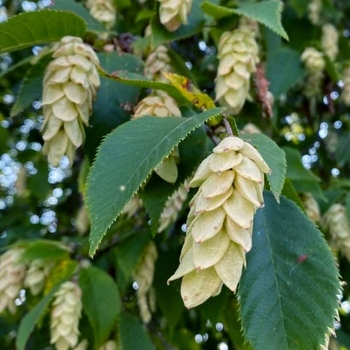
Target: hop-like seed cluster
(12, 272)
(312, 208)
(345, 94)
(37, 271)
(110, 345)
(329, 41)
(315, 64)
(65, 316)
(313, 60)
(238, 56)
(161, 105)
(172, 207)
(143, 275)
(103, 10)
(219, 224)
(314, 11)
(158, 62)
(337, 224)
(70, 84)
(173, 13)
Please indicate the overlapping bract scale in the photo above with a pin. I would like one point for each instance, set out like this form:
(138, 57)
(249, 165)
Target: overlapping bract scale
(69, 87)
(219, 224)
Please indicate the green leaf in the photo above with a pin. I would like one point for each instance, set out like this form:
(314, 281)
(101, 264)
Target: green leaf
(290, 192)
(39, 27)
(114, 101)
(32, 86)
(129, 251)
(291, 280)
(125, 160)
(132, 335)
(274, 156)
(281, 80)
(78, 9)
(342, 152)
(101, 301)
(44, 249)
(29, 321)
(156, 192)
(161, 35)
(302, 179)
(267, 13)
(168, 297)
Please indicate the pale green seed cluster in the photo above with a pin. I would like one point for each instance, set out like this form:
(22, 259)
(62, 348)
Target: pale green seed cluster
(238, 56)
(174, 13)
(65, 316)
(220, 222)
(69, 88)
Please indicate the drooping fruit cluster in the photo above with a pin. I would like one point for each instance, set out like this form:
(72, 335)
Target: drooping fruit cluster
(314, 11)
(312, 208)
(65, 316)
(69, 87)
(315, 64)
(173, 13)
(36, 274)
(220, 222)
(12, 273)
(238, 56)
(143, 275)
(329, 41)
(173, 206)
(161, 105)
(337, 224)
(345, 94)
(158, 62)
(103, 10)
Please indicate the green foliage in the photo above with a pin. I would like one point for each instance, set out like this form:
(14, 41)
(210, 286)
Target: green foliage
(44, 249)
(289, 292)
(101, 301)
(149, 140)
(35, 28)
(30, 320)
(78, 9)
(282, 80)
(291, 278)
(31, 86)
(267, 13)
(303, 179)
(132, 335)
(274, 157)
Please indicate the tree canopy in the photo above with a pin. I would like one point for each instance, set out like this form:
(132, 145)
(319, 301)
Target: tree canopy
(174, 174)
